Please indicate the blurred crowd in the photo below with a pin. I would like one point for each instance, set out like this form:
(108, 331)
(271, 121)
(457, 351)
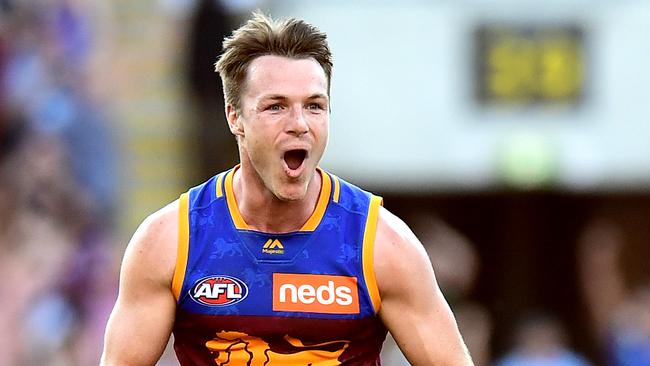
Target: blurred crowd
(57, 187)
(618, 312)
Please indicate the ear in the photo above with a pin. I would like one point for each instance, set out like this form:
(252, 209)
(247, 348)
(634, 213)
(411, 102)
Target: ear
(234, 121)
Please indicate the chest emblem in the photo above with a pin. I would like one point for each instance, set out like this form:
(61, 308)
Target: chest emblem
(237, 348)
(219, 291)
(273, 246)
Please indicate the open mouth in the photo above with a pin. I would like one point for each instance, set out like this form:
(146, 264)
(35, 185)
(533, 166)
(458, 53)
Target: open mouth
(295, 158)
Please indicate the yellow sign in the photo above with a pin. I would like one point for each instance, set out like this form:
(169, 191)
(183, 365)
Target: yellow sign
(522, 65)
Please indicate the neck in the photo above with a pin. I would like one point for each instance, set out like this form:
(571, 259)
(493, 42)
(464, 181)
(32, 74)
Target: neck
(263, 211)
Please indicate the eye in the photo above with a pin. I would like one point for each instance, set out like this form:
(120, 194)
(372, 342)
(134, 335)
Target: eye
(274, 107)
(315, 107)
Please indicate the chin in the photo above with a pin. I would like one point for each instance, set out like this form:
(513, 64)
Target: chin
(290, 196)
(291, 189)
(290, 193)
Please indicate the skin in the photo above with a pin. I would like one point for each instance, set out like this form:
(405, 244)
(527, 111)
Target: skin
(284, 106)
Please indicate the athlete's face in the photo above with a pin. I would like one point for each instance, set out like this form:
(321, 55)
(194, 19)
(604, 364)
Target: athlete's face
(283, 123)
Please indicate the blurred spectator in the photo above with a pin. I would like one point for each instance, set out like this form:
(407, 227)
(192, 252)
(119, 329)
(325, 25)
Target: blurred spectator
(216, 149)
(53, 259)
(540, 341)
(630, 330)
(621, 317)
(45, 81)
(36, 245)
(3, 66)
(57, 188)
(456, 266)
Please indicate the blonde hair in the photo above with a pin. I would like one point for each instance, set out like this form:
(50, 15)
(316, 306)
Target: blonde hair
(260, 36)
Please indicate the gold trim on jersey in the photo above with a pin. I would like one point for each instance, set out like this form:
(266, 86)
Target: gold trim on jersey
(237, 219)
(219, 188)
(321, 206)
(337, 188)
(312, 222)
(183, 244)
(369, 250)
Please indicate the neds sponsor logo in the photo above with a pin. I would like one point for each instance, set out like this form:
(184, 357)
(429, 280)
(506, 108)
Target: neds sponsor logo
(219, 291)
(315, 293)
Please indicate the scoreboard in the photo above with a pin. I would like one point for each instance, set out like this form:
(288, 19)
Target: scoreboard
(529, 65)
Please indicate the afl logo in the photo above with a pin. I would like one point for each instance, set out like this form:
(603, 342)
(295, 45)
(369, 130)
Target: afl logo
(219, 291)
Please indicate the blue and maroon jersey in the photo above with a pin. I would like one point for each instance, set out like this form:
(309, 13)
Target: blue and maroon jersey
(252, 298)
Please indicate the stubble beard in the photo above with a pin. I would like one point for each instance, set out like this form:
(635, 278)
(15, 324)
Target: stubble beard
(292, 191)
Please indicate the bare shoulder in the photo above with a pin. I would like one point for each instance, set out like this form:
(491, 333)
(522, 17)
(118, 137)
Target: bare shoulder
(398, 252)
(136, 335)
(394, 236)
(391, 228)
(151, 253)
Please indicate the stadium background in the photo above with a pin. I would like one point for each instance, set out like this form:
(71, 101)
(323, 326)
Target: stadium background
(511, 135)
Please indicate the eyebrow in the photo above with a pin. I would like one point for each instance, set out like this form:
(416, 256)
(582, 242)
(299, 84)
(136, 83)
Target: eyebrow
(317, 96)
(282, 97)
(274, 97)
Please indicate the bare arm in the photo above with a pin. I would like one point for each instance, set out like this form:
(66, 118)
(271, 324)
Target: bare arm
(412, 306)
(141, 322)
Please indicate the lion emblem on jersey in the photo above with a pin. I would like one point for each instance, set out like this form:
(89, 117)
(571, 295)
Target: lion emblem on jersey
(237, 348)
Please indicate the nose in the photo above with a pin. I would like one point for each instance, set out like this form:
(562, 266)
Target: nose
(297, 124)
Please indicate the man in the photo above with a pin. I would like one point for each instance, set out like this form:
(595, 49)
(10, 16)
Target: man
(276, 262)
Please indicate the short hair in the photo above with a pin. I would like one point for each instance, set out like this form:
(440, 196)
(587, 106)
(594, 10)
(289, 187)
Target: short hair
(262, 35)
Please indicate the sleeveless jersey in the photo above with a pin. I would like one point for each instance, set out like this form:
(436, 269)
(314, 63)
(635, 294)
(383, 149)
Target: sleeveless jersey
(246, 297)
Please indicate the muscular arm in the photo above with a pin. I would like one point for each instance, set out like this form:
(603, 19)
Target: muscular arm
(141, 322)
(412, 306)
